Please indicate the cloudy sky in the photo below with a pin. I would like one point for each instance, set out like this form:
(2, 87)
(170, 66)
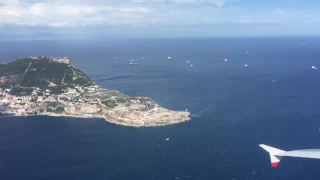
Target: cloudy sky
(160, 17)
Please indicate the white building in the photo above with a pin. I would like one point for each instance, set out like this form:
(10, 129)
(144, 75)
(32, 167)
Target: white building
(5, 101)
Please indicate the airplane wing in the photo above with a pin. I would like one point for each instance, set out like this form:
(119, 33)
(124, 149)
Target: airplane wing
(277, 154)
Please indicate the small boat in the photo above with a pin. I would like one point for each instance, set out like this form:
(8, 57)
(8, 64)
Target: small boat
(170, 58)
(246, 65)
(225, 60)
(188, 62)
(131, 60)
(131, 63)
(313, 67)
(167, 139)
(115, 58)
(191, 65)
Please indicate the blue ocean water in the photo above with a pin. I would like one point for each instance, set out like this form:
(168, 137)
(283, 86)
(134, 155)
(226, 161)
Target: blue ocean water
(233, 110)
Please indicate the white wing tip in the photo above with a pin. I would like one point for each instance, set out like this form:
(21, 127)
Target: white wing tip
(274, 154)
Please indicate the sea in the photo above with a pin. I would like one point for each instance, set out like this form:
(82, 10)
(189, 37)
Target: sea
(273, 101)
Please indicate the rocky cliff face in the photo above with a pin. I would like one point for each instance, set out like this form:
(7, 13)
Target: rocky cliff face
(81, 109)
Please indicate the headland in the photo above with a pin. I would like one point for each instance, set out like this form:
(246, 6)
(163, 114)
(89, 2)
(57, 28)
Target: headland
(52, 86)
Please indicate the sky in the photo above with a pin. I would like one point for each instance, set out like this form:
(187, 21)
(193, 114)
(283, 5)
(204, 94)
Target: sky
(158, 18)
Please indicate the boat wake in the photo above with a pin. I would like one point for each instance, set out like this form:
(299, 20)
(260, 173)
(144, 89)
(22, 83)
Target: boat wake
(209, 107)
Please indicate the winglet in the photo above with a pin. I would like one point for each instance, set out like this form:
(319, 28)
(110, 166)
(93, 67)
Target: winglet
(275, 154)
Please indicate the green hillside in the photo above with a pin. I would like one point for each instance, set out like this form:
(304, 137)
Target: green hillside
(25, 74)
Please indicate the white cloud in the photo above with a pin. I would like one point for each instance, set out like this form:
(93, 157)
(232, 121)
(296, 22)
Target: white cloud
(246, 21)
(62, 13)
(27, 24)
(58, 24)
(279, 11)
(9, 2)
(9, 11)
(38, 9)
(220, 3)
(137, 13)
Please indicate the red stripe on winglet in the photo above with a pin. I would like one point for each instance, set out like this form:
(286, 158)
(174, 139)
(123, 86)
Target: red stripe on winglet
(274, 164)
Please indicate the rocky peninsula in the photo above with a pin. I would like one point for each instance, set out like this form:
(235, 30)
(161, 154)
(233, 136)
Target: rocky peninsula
(53, 86)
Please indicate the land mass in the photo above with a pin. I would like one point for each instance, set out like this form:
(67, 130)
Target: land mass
(53, 86)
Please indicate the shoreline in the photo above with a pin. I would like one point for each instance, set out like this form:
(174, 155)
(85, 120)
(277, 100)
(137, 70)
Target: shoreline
(109, 120)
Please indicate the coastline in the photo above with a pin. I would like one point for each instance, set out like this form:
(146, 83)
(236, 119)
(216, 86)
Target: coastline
(111, 120)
